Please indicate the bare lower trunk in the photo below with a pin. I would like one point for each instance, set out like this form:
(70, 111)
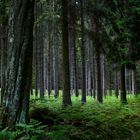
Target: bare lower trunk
(49, 73)
(65, 54)
(110, 83)
(123, 88)
(103, 72)
(75, 74)
(36, 53)
(134, 89)
(99, 79)
(130, 82)
(55, 64)
(83, 36)
(4, 39)
(89, 69)
(116, 84)
(94, 77)
(20, 38)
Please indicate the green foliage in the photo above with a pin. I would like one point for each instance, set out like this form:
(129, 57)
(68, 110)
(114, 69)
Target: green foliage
(33, 131)
(107, 121)
(8, 135)
(4, 6)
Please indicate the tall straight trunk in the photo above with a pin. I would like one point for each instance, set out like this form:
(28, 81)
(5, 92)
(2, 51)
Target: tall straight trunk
(123, 88)
(45, 67)
(4, 39)
(89, 69)
(75, 73)
(36, 50)
(134, 88)
(130, 81)
(36, 65)
(89, 83)
(71, 59)
(65, 54)
(94, 76)
(71, 65)
(98, 59)
(86, 47)
(49, 59)
(126, 75)
(55, 64)
(116, 85)
(37, 74)
(42, 90)
(45, 62)
(110, 83)
(55, 55)
(20, 46)
(103, 72)
(72, 48)
(83, 52)
(99, 79)
(41, 52)
(105, 77)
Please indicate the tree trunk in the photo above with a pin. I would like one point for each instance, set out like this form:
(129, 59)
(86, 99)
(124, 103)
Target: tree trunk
(99, 79)
(72, 48)
(49, 59)
(83, 53)
(130, 81)
(89, 69)
(94, 76)
(55, 55)
(116, 84)
(123, 88)
(16, 98)
(134, 88)
(4, 39)
(65, 54)
(75, 73)
(55, 64)
(103, 72)
(110, 83)
(41, 51)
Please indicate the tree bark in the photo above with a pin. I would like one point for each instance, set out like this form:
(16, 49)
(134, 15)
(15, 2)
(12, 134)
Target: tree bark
(49, 59)
(4, 39)
(116, 84)
(20, 38)
(55, 64)
(134, 87)
(94, 76)
(83, 40)
(99, 79)
(65, 54)
(110, 83)
(123, 88)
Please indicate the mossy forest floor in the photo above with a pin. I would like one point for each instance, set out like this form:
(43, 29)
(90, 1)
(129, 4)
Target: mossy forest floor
(92, 121)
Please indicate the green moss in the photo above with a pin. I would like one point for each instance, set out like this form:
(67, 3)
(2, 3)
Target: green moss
(93, 121)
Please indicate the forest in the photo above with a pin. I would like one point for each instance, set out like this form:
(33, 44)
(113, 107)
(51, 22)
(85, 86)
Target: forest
(69, 69)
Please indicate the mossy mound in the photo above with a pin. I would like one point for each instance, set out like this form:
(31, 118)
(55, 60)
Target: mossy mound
(44, 115)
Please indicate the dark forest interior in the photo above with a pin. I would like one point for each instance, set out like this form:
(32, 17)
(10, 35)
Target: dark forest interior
(69, 69)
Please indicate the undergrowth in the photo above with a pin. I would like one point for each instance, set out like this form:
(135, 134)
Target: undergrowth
(92, 121)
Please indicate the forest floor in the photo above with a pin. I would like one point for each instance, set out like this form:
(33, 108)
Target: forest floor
(92, 121)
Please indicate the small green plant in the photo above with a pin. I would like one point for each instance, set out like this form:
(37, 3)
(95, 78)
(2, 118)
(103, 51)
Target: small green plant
(8, 135)
(33, 131)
